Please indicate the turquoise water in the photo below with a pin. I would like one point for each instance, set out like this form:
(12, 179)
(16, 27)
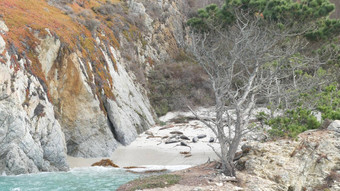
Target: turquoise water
(81, 179)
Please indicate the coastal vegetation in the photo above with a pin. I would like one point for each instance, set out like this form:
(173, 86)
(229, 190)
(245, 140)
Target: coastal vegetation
(82, 78)
(159, 181)
(257, 51)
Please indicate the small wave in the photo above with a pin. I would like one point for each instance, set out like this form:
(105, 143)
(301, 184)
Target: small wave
(170, 168)
(93, 168)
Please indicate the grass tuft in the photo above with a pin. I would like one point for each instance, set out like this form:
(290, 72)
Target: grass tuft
(160, 181)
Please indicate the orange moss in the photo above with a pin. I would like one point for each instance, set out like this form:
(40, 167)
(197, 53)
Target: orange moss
(14, 63)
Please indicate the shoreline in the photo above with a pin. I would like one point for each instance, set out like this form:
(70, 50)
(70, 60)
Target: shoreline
(149, 148)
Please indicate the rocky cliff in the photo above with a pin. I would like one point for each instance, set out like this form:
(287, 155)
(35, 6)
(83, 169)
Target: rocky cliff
(65, 81)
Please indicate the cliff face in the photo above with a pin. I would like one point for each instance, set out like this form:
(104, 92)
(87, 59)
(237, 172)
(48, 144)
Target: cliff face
(31, 139)
(64, 83)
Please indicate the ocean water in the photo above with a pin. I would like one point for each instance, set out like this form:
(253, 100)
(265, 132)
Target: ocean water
(78, 179)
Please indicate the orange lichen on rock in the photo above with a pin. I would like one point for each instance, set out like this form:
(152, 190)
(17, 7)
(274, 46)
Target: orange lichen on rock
(105, 162)
(31, 20)
(23, 17)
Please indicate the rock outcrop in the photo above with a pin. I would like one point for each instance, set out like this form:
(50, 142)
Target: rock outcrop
(31, 139)
(310, 163)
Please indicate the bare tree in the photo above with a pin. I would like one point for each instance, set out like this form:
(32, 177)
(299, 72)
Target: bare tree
(250, 60)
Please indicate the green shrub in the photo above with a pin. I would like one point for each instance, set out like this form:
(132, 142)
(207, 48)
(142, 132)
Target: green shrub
(329, 102)
(296, 121)
(262, 117)
(292, 123)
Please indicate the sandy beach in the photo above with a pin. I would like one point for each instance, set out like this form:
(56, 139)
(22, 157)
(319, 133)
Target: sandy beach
(150, 149)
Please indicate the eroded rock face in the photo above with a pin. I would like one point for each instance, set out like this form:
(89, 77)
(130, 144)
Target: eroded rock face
(58, 99)
(305, 164)
(86, 126)
(130, 112)
(31, 139)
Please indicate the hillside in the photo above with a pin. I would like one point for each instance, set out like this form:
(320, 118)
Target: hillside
(82, 77)
(65, 70)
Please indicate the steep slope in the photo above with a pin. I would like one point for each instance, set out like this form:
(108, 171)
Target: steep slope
(31, 139)
(64, 86)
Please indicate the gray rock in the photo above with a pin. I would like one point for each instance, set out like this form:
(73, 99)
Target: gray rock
(174, 137)
(176, 132)
(17, 162)
(184, 144)
(195, 139)
(184, 137)
(201, 136)
(31, 139)
(3, 27)
(30, 146)
(170, 141)
(131, 112)
(334, 126)
(211, 140)
(289, 164)
(2, 44)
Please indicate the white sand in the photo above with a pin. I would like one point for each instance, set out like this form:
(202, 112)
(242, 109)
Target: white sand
(153, 151)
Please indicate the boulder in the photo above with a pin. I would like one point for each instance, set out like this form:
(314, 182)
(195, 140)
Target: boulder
(334, 126)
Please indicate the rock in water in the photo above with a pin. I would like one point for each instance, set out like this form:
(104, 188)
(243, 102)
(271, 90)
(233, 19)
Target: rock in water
(105, 162)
